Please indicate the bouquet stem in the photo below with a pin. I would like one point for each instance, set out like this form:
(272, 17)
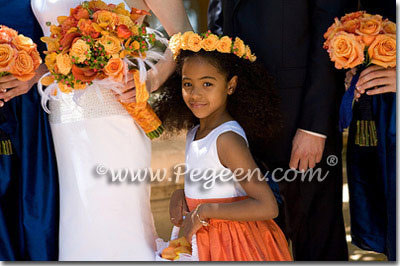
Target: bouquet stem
(142, 112)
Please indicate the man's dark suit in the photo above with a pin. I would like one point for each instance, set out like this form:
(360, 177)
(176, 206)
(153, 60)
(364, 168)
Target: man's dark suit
(287, 37)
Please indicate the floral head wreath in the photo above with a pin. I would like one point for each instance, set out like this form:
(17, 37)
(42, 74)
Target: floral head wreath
(209, 42)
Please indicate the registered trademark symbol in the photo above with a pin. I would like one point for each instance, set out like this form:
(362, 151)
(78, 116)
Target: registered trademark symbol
(332, 160)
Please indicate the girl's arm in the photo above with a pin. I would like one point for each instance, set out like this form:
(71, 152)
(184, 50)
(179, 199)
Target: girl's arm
(261, 204)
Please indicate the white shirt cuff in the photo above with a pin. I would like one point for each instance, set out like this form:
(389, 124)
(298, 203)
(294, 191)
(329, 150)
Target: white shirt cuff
(313, 133)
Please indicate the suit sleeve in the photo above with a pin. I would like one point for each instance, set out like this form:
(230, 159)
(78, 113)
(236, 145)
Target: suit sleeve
(215, 18)
(321, 87)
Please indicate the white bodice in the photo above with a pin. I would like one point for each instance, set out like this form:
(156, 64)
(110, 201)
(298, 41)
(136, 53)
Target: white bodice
(203, 166)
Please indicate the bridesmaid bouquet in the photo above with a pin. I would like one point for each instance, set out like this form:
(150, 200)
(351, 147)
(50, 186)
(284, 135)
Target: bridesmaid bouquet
(97, 45)
(359, 40)
(18, 55)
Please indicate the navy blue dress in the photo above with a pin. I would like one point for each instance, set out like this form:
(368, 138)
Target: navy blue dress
(28, 175)
(372, 174)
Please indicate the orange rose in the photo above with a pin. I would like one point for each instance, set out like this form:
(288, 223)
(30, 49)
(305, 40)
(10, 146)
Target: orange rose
(64, 88)
(7, 34)
(67, 24)
(352, 16)
(136, 14)
(383, 51)
(83, 74)
(7, 55)
(345, 50)
(351, 26)
(115, 69)
(22, 67)
(23, 43)
(185, 39)
(389, 27)
(369, 27)
(79, 13)
(37, 60)
(106, 18)
(87, 29)
(210, 42)
(123, 32)
(224, 45)
(333, 29)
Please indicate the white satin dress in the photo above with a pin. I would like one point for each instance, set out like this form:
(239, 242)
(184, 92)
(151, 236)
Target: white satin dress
(99, 220)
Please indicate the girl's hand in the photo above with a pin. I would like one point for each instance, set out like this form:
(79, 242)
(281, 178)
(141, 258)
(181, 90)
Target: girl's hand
(191, 224)
(383, 80)
(178, 207)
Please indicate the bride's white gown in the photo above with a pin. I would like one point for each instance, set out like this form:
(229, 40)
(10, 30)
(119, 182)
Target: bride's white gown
(99, 220)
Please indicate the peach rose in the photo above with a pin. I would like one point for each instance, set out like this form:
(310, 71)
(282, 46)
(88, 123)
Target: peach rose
(79, 50)
(64, 64)
(175, 43)
(7, 55)
(238, 47)
(224, 45)
(194, 41)
(389, 27)
(369, 27)
(22, 67)
(210, 42)
(23, 43)
(383, 50)
(112, 45)
(345, 50)
(249, 55)
(115, 69)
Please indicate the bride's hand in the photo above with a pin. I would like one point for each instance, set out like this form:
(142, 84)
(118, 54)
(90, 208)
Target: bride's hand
(128, 92)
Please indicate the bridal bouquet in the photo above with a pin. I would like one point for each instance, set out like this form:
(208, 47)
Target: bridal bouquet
(97, 45)
(18, 55)
(359, 40)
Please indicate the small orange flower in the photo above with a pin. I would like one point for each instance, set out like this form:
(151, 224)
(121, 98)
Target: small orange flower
(224, 45)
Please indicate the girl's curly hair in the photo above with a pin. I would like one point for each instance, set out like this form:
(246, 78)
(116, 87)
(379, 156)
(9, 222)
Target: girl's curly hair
(254, 104)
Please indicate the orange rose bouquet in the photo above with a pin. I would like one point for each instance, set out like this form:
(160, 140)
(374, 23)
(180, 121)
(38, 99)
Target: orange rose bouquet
(97, 45)
(359, 40)
(18, 55)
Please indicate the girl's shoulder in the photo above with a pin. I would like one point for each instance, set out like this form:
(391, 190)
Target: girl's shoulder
(232, 129)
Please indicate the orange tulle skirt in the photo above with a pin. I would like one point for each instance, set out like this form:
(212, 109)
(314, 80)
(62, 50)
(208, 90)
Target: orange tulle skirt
(225, 240)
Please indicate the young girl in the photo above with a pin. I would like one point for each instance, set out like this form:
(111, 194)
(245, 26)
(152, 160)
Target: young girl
(220, 88)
